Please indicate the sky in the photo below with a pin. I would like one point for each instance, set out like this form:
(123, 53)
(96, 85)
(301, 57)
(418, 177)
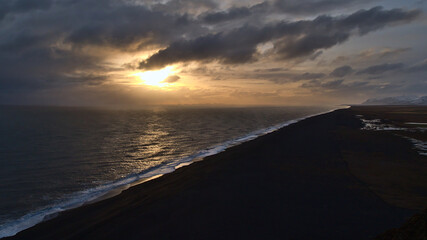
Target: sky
(210, 52)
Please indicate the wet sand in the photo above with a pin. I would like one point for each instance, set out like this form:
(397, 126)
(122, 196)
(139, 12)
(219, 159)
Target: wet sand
(321, 178)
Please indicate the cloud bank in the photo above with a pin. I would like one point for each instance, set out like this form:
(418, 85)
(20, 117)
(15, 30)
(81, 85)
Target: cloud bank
(51, 47)
(293, 39)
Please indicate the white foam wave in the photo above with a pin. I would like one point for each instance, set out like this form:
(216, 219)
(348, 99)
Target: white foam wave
(420, 146)
(376, 125)
(110, 189)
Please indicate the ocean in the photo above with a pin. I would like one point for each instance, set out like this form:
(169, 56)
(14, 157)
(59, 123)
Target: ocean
(57, 158)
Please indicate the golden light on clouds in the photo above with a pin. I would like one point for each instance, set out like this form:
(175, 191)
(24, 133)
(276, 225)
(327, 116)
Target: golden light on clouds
(156, 78)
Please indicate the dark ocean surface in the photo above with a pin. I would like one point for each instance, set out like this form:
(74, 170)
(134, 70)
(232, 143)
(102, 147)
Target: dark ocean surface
(57, 158)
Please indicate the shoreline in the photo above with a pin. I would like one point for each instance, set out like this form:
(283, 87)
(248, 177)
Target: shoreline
(118, 204)
(23, 223)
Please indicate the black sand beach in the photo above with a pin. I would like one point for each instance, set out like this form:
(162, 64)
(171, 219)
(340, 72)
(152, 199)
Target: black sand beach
(321, 178)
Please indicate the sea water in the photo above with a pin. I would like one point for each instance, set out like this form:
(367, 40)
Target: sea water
(57, 158)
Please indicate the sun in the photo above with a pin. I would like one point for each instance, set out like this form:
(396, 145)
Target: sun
(156, 78)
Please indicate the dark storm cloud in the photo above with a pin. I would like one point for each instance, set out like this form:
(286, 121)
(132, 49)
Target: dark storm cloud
(341, 71)
(306, 45)
(396, 68)
(382, 68)
(117, 24)
(10, 7)
(236, 13)
(231, 14)
(231, 48)
(295, 39)
(124, 25)
(192, 7)
(301, 7)
(376, 18)
(313, 6)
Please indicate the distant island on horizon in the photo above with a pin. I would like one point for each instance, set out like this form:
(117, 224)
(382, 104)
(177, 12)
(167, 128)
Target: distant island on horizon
(399, 100)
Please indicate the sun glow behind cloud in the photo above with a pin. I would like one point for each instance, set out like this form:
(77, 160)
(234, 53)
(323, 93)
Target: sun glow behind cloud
(156, 78)
(216, 56)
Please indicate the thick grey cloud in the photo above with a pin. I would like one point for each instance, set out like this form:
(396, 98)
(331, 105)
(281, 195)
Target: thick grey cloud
(421, 67)
(397, 68)
(233, 13)
(11, 7)
(233, 47)
(124, 25)
(381, 68)
(376, 18)
(299, 46)
(341, 71)
(301, 7)
(191, 7)
(295, 39)
(313, 6)
(117, 24)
